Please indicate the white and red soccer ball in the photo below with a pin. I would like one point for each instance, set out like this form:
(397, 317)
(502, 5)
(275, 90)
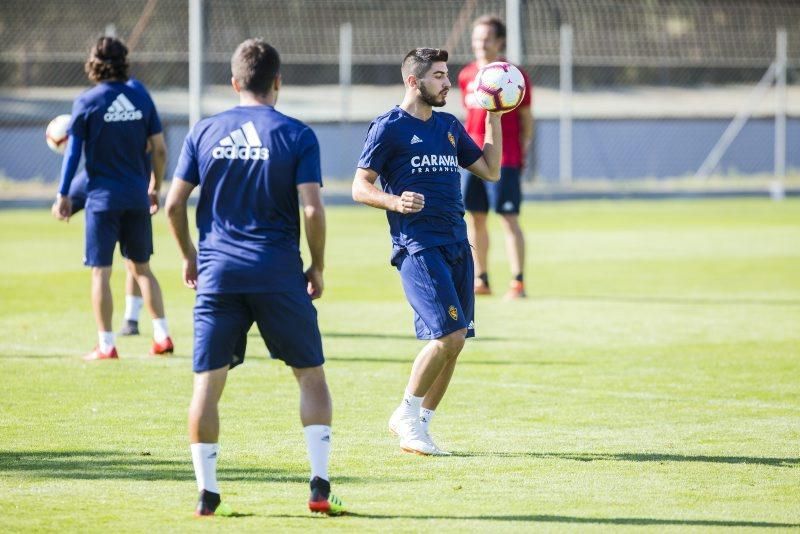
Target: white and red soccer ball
(57, 134)
(499, 86)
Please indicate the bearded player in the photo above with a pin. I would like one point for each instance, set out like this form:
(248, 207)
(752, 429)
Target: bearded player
(417, 153)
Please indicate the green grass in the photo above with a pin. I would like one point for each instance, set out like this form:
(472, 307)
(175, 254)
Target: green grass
(651, 381)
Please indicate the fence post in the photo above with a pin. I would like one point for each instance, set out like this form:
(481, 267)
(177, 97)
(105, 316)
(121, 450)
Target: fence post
(345, 68)
(565, 121)
(513, 32)
(777, 186)
(195, 61)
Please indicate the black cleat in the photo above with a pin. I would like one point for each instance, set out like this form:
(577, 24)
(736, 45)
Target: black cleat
(207, 503)
(130, 328)
(322, 500)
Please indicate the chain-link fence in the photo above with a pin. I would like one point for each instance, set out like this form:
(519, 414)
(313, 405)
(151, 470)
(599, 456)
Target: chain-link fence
(655, 83)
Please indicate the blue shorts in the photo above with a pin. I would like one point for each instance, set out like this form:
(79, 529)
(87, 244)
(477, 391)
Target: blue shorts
(287, 322)
(438, 283)
(131, 228)
(503, 196)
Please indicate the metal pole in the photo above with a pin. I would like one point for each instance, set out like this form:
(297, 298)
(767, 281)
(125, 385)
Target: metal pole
(736, 125)
(195, 61)
(777, 186)
(345, 67)
(565, 122)
(513, 32)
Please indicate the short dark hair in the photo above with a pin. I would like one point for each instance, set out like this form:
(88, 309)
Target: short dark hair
(419, 60)
(108, 60)
(495, 22)
(255, 64)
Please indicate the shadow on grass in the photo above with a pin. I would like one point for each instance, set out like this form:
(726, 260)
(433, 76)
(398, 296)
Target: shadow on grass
(541, 518)
(689, 301)
(372, 335)
(113, 465)
(461, 362)
(637, 457)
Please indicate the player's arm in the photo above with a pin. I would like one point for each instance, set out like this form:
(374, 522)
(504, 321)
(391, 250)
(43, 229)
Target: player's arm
(488, 165)
(365, 192)
(314, 224)
(178, 221)
(525, 130)
(158, 155)
(62, 207)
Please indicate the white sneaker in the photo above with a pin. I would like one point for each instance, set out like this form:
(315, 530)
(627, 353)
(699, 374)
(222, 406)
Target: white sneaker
(412, 437)
(439, 450)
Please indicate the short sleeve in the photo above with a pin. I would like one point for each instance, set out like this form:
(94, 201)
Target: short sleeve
(376, 148)
(154, 126)
(187, 168)
(467, 150)
(528, 98)
(77, 124)
(309, 169)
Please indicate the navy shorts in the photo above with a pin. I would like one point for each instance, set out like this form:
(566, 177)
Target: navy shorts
(131, 228)
(503, 196)
(287, 322)
(438, 283)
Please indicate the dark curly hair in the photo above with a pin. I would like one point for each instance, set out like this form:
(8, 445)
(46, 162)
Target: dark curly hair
(108, 60)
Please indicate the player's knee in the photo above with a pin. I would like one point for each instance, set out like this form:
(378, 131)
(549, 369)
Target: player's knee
(140, 269)
(454, 342)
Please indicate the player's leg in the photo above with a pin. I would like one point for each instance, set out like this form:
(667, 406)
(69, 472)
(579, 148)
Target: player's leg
(428, 284)
(463, 273)
(506, 198)
(288, 324)
(133, 304)
(136, 244)
(220, 339)
(101, 238)
(476, 202)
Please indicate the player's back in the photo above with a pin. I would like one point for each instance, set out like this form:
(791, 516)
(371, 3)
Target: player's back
(115, 120)
(250, 160)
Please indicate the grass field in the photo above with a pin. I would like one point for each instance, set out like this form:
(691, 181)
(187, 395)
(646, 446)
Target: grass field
(652, 381)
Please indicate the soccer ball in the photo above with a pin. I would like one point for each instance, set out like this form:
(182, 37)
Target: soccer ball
(499, 86)
(56, 134)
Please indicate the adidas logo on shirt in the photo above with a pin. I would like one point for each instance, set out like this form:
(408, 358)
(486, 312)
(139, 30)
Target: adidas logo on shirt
(415, 140)
(122, 109)
(242, 143)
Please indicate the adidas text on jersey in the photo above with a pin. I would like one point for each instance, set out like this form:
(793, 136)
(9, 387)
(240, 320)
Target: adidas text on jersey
(242, 143)
(122, 109)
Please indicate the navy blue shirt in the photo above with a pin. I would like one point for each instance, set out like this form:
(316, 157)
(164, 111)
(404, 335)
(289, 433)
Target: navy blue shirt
(114, 120)
(424, 157)
(248, 162)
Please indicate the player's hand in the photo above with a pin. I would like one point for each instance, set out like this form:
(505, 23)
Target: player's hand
(315, 283)
(62, 208)
(155, 201)
(190, 272)
(410, 202)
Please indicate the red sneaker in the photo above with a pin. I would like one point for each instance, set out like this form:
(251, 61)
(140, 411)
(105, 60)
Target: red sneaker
(516, 290)
(97, 354)
(481, 288)
(160, 349)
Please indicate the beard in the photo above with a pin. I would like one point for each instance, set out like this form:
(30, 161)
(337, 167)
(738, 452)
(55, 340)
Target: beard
(431, 99)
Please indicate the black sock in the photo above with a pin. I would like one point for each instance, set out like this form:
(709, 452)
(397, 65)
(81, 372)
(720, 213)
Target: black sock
(518, 278)
(484, 277)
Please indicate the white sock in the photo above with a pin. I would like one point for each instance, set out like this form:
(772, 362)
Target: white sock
(204, 458)
(160, 330)
(106, 341)
(411, 405)
(133, 306)
(425, 416)
(318, 442)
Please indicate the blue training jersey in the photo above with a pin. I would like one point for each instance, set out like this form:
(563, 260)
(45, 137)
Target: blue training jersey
(248, 162)
(114, 119)
(424, 157)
